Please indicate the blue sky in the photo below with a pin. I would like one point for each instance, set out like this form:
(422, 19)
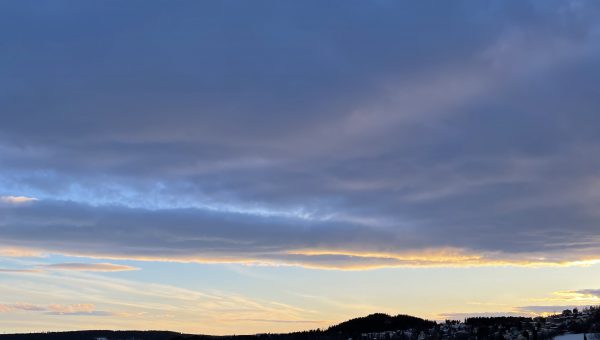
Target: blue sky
(288, 165)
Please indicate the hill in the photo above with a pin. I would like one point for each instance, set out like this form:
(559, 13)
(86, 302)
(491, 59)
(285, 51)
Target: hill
(93, 335)
(379, 323)
(372, 323)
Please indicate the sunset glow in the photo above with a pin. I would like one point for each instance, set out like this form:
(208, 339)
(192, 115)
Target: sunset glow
(242, 167)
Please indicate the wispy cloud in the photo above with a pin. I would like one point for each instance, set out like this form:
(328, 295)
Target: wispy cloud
(54, 309)
(16, 200)
(90, 267)
(595, 293)
(138, 303)
(561, 300)
(21, 307)
(545, 310)
(584, 296)
(76, 309)
(13, 270)
(20, 252)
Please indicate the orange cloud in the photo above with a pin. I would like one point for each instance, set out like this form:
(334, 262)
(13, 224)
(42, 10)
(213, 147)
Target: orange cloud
(54, 309)
(10, 270)
(20, 306)
(327, 259)
(20, 252)
(90, 267)
(445, 257)
(72, 309)
(17, 199)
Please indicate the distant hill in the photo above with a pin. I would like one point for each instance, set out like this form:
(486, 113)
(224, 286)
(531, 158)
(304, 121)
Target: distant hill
(474, 328)
(368, 324)
(379, 323)
(93, 335)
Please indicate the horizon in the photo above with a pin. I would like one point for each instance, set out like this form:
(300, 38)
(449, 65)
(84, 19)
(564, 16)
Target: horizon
(445, 321)
(244, 167)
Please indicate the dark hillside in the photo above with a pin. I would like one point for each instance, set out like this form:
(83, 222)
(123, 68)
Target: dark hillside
(379, 323)
(93, 335)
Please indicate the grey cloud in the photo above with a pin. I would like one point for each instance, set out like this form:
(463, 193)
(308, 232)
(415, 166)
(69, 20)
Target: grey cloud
(199, 235)
(239, 130)
(179, 233)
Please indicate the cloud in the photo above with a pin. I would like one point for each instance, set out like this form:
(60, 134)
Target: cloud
(72, 266)
(589, 292)
(91, 267)
(54, 309)
(544, 310)
(561, 300)
(83, 313)
(555, 304)
(135, 304)
(21, 307)
(10, 270)
(16, 199)
(194, 235)
(76, 309)
(255, 138)
(20, 252)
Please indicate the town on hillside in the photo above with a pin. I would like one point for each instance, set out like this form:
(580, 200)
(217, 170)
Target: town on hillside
(585, 322)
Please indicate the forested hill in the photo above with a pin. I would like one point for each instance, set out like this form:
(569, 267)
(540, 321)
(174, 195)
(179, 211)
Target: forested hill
(382, 326)
(372, 323)
(348, 329)
(379, 323)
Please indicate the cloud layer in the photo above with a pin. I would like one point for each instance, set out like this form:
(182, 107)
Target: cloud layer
(352, 135)
(89, 267)
(54, 309)
(93, 300)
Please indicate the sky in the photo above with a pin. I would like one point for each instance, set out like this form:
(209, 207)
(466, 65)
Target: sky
(235, 167)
